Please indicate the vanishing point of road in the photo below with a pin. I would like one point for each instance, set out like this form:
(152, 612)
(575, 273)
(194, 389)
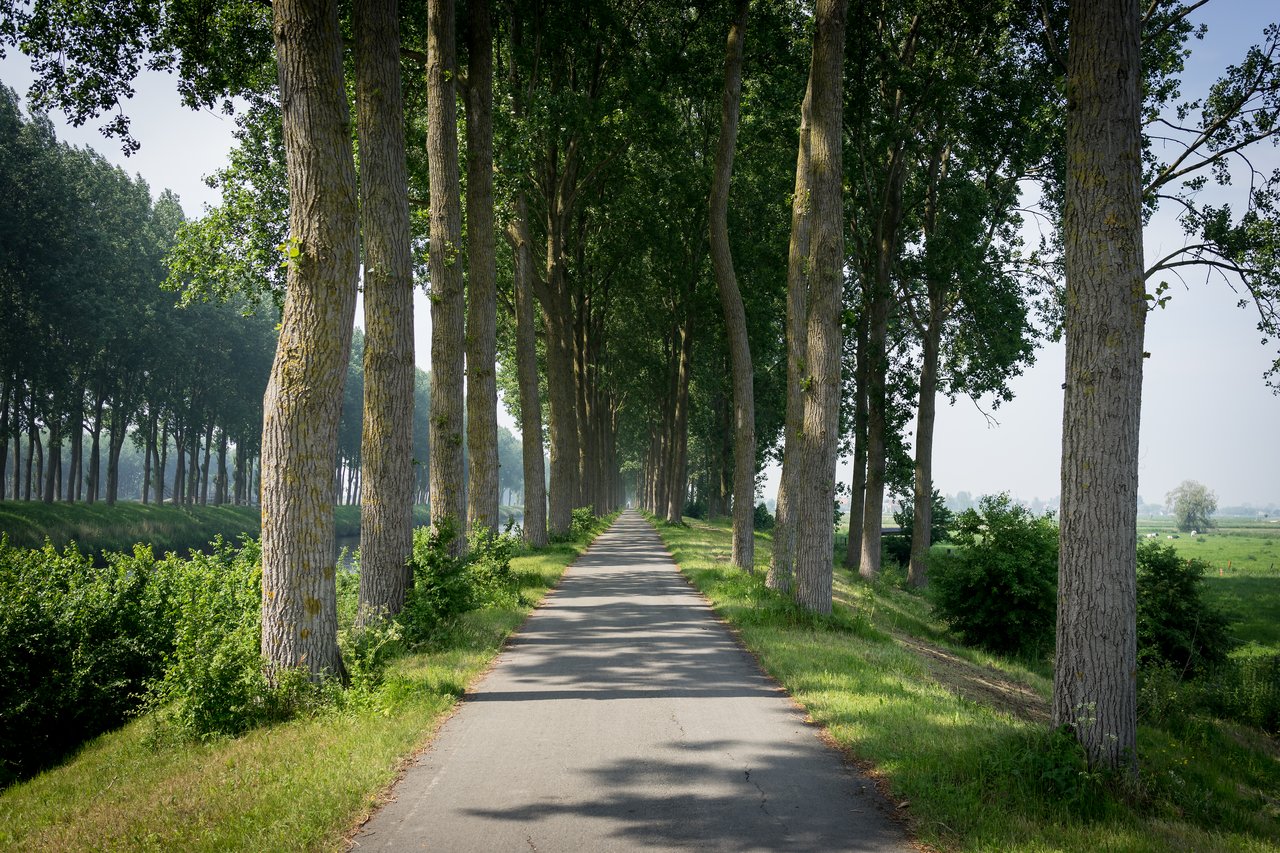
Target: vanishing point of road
(624, 716)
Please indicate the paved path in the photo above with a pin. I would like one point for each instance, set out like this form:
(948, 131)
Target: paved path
(623, 716)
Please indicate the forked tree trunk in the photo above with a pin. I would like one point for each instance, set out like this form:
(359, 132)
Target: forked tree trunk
(1095, 665)
(735, 316)
(304, 393)
(781, 574)
(816, 474)
(482, 293)
(535, 489)
(386, 437)
(447, 298)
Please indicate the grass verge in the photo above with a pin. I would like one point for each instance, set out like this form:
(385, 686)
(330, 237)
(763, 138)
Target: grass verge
(301, 785)
(959, 737)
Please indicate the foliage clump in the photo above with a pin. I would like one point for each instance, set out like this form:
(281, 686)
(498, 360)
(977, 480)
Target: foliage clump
(446, 585)
(998, 589)
(1191, 504)
(1176, 624)
(763, 520)
(78, 642)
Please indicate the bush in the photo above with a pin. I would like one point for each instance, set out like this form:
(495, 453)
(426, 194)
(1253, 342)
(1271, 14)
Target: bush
(1176, 625)
(213, 682)
(584, 522)
(998, 590)
(695, 509)
(77, 644)
(763, 520)
(1245, 688)
(445, 585)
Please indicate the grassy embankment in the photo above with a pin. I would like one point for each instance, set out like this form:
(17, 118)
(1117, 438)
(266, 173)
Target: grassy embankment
(100, 527)
(960, 738)
(301, 785)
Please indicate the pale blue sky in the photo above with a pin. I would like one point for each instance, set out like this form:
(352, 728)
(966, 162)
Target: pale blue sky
(1207, 414)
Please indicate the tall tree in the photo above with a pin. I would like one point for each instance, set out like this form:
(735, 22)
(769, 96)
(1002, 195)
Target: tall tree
(304, 393)
(1095, 668)
(781, 565)
(819, 436)
(482, 388)
(447, 298)
(735, 317)
(386, 444)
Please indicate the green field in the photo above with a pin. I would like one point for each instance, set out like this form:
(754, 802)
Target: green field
(1234, 546)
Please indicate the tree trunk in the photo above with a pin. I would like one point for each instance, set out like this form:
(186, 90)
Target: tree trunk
(148, 445)
(95, 451)
(781, 565)
(880, 300)
(858, 484)
(54, 462)
(1095, 670)
(562, 397)
(162, 462)
(735, 317)
(75, 472)
(119, 429)
(4, 439)
(386, 439)
(220, 493)
(35, 453)
(816, 473)
(204, 469)
(678, 470)
(303, 400)
(447, 301)
(922, 521)
(482, 293)
(535, 490)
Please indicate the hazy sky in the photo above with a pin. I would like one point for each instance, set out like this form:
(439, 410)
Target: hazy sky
(1206, 415)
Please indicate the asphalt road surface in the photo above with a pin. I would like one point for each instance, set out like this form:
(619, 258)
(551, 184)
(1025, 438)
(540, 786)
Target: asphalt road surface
(623, 716)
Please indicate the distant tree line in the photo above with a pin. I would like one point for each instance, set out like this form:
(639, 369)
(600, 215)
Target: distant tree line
(102, 372)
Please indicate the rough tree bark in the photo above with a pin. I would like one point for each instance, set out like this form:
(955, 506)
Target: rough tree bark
(447, 300)
(780, 575)
(386, 439)
(304, 393)
(482, 293)
(815, 479)
(735, 316)
(1095, 671)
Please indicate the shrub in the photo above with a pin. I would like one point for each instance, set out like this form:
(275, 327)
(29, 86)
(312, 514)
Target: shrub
(445, 585)
(998, 590)
(213, 682)
(1246, 688)
(584, 521)
(77, 644)
(1176, 625)
(763, 520)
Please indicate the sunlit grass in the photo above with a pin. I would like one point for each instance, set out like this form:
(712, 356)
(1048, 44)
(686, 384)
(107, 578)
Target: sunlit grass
(302, 785)
(973, 776)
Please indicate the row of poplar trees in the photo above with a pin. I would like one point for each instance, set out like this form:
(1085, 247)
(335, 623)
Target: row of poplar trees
(88, 339)
(646, 152)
